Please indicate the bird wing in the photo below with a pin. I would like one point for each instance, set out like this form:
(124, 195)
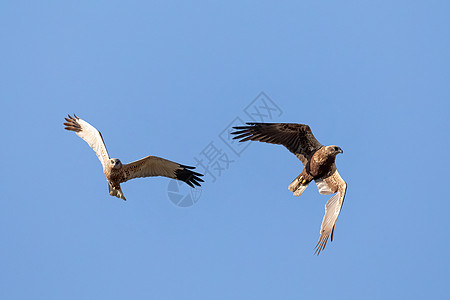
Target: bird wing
(156, 166)
(335, 184)
(297, 138)
(91, 135)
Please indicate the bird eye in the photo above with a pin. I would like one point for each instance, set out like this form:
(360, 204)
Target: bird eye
(336, 149)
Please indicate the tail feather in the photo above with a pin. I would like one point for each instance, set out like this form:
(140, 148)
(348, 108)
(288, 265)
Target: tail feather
(297, 187)
(116, 192)
(300, 190)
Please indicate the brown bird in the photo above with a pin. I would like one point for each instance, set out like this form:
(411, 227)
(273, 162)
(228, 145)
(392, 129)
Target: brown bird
(318, 162)
(116, 172)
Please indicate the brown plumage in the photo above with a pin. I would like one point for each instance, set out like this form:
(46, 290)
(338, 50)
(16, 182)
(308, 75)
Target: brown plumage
(318, 161)
(116, 173)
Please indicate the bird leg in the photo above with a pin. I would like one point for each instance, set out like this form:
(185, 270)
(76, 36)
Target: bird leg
(302, 180)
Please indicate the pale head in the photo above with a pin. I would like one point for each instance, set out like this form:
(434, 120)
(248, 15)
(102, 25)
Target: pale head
(115, 163)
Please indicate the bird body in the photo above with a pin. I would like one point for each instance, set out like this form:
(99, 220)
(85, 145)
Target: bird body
(117, 173)
(114, 175)
(318, 161)
(320, 165)
(322, 161)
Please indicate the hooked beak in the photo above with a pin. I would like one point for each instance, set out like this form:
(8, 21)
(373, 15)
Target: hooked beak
(340, 150)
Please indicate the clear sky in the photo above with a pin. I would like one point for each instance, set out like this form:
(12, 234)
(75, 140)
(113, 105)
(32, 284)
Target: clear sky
(167, 78)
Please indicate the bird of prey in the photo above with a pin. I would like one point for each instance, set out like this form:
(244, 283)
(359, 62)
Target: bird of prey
(318, 161)
(116, 172)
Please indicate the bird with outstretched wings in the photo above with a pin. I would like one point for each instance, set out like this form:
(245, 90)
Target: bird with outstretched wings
(117, 173)
(318, 161)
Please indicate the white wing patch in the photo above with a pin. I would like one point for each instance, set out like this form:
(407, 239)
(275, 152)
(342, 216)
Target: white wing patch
(332, 209)
(323, 187)
(90, 135)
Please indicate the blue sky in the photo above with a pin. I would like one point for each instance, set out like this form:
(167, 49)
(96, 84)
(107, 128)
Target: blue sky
(166, 79)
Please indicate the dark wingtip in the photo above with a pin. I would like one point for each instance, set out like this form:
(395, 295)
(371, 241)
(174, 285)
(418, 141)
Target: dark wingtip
(239, 128)
(187, 167)
(190, 177)
(244, 133)
(72, 124)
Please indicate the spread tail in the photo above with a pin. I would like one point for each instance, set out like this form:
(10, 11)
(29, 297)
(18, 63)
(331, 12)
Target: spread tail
(116, 192)
(298, 186)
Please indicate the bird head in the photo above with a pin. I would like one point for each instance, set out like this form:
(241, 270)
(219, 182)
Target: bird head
(115, 163)
(333, 149)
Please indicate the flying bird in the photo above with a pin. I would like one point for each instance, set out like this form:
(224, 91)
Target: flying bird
(117, 173)
(318, 161)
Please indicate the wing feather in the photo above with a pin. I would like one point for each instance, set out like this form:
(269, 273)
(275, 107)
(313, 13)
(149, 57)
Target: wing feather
(297, 138)
(337, 185)
(157, 166)
(90, 135)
